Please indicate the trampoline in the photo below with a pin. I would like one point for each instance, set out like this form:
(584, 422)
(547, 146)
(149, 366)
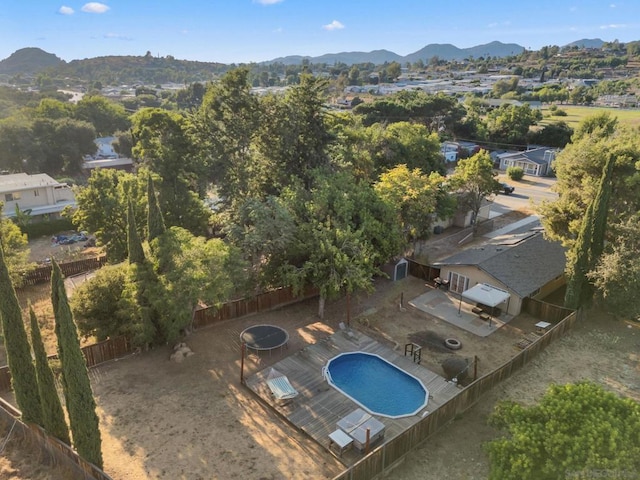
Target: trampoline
(264, 338)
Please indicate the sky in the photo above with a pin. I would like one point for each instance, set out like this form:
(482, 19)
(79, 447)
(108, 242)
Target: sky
(243, 31)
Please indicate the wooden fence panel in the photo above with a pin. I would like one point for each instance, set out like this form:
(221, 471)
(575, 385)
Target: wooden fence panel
(107, 350)
(5, 379)
(42, 274)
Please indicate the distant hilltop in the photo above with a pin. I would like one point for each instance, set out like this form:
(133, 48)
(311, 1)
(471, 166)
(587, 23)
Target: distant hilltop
(28, 60)
(444, 51)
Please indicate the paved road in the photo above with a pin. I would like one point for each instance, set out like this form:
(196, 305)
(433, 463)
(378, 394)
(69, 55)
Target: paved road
(528, 193)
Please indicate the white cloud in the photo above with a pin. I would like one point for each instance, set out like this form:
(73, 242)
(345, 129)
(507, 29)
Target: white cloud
(268, 2)
(117, 36)
(94, 7)
(493, 25)
(335, 25)
(613, 25)
(278, 30)
(64, 10)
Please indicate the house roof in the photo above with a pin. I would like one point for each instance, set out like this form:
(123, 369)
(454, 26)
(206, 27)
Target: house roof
(523, 260)
(537, 155)
(23, 181)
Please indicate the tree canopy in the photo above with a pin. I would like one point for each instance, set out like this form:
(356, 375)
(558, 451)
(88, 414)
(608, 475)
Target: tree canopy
(574, 430)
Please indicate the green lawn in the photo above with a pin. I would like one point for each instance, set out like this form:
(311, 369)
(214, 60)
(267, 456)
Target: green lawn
(575, 114)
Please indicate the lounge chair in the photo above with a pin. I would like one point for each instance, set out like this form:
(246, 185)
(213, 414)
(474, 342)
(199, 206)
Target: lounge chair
(280, 387)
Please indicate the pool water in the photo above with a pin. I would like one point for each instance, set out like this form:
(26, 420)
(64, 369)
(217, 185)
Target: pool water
(376, 384)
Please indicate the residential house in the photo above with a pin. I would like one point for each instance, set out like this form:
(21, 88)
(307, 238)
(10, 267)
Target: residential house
(107, 157)
(37, 195)
(523, 263)
(536, 161)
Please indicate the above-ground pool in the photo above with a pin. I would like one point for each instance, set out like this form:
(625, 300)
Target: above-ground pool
(376, 384)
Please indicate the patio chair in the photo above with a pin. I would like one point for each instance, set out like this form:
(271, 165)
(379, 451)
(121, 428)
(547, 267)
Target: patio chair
(280, 387)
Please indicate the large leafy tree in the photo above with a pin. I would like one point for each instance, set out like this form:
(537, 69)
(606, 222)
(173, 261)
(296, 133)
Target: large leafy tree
(418, 198)
(510, 124)
(23, 373)
(63, 143)
(475, 181)
(21, 151)
(16, 248)
(192, 270)
(574, 430)
(579, 169)
(81, 405)
(105, 116)
(616, 276)
(262, 230)
(296, 137)
(161, 144)
(53, 419)
(224, 128)
(102, 208)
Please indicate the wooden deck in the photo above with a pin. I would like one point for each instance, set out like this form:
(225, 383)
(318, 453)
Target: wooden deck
(318, 407)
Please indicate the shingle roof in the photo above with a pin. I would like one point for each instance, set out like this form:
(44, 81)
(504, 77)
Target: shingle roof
(523, 261)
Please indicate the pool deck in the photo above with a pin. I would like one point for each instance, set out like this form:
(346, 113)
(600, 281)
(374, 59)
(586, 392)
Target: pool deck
(318, 407)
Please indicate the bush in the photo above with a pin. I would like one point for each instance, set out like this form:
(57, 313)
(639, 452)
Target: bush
(560, 113)
(46, 228)
(515, 173)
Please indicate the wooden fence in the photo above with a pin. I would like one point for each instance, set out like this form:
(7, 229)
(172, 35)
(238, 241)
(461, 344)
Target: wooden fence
(42, 274)
(550, 312)
(249, 306)
(387, 455)
(52, 450)
(94, 354)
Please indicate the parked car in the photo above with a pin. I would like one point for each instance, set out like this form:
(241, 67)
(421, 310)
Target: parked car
(507, 189)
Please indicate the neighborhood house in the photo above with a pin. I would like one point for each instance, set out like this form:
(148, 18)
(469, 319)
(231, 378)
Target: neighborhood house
(36, 195)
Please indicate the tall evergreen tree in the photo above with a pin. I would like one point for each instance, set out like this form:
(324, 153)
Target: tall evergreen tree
(134, 245)
(155, 222)
(588, 247)
(52, 414)
(23, 373)
(81, 405)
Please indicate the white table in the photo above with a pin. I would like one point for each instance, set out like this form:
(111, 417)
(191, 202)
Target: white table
(542, 326)
(340, 440)
(356, 425)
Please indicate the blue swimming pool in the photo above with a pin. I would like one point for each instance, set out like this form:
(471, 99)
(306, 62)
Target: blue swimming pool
(376, 384)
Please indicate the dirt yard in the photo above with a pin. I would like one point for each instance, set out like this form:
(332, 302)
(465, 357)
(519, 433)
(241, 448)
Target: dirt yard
(194, 420)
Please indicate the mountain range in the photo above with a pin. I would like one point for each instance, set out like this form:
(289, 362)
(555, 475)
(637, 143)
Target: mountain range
(444, 51)
(32, 60)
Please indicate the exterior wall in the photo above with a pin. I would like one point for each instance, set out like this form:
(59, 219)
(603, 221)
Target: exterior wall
(550, 287)
(528, 167)
(476, 276)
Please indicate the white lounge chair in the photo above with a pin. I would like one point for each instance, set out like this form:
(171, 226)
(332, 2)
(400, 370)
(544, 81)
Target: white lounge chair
(280, 387)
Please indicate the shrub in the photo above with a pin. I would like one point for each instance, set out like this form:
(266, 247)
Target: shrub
(560, 113)
(46, 228)
(515, 173)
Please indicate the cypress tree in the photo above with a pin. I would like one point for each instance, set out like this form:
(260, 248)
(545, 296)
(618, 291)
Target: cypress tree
(155, 222)
(590, 242)
(52, 413)
(23, 373)
(81, 405)
(134, 245)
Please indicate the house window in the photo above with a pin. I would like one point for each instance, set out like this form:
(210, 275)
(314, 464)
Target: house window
(458, 283)
(36, 193)
(11, 197)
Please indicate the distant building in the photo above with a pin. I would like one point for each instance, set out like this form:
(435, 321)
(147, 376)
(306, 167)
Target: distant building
(37, 195)
(107, 157)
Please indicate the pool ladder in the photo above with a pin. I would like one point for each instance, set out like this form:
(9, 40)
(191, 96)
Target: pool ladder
(415, 351)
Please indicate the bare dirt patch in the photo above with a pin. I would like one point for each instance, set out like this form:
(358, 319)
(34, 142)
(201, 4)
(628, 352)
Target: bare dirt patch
(43, 249)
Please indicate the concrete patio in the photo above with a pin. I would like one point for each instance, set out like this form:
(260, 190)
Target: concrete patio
(447, 306)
